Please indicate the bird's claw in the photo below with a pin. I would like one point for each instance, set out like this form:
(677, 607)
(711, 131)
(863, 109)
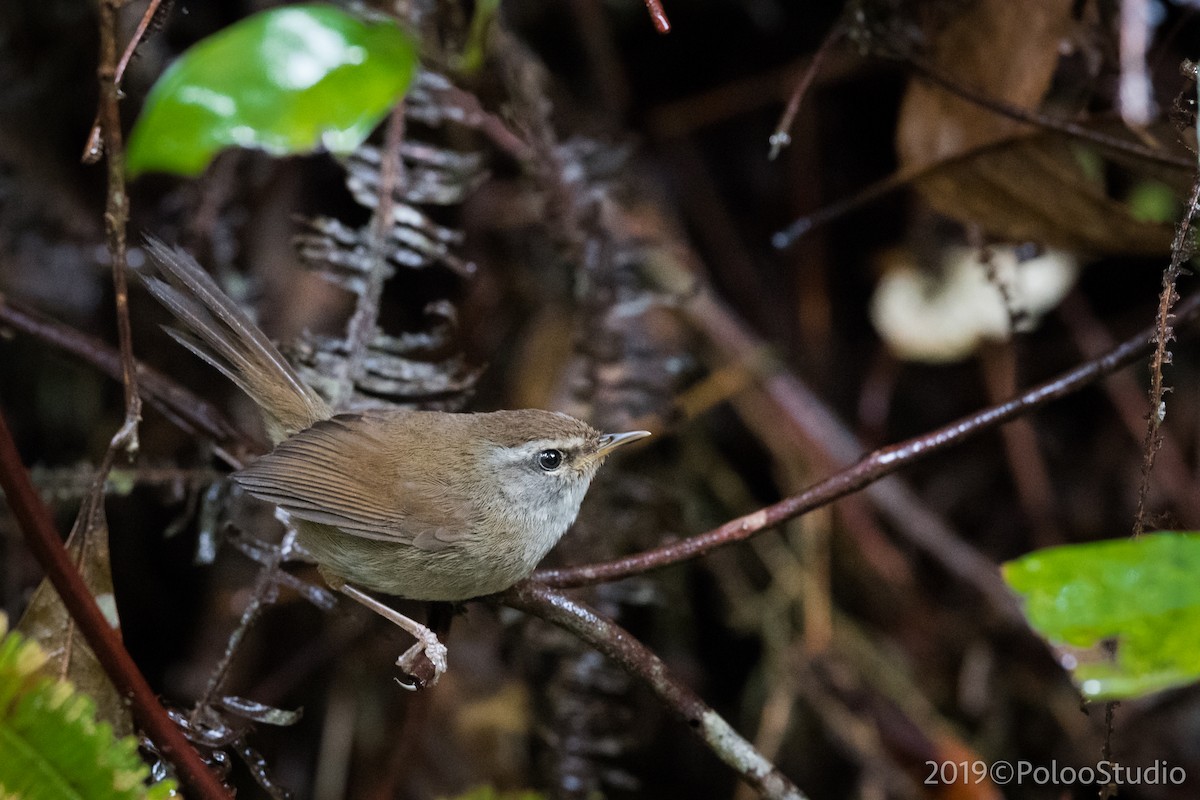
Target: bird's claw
(425, 662)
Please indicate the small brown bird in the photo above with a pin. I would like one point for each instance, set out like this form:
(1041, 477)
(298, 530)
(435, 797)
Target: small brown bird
(427, 505)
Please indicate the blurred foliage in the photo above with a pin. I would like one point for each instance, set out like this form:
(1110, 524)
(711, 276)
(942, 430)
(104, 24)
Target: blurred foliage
(52, 745)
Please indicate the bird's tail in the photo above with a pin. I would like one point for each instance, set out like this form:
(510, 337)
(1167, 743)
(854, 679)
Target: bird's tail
(220, 333)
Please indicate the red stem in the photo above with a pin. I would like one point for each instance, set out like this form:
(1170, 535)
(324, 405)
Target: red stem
(878, 464)
(34, 520)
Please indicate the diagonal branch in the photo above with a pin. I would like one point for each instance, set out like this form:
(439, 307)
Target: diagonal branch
(878, 464)
(34, 520)
(640, 661)
(191, 413)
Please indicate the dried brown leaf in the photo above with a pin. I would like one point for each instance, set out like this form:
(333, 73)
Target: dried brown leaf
(47, 622)
(1006, 176)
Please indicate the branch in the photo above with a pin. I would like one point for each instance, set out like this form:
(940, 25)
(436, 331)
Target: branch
(191, 413)
(35, 522)
(659, 16)
(1164, 332)
(1069, 128)
(116, 217)
(799, 413)
(639, 661)
(882, 462)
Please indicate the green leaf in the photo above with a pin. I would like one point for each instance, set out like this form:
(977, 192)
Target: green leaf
(1126, 612)
(288, 80)
(52, 745)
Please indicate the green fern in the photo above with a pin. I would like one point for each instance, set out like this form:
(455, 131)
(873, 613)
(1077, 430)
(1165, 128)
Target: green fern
(53, 747)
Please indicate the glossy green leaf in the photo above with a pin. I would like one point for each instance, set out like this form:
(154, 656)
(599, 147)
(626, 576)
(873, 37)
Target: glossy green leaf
(288, 80)
(1125, 613)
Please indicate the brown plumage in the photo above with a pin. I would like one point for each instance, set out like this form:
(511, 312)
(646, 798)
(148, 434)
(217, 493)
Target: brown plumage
(423, 504)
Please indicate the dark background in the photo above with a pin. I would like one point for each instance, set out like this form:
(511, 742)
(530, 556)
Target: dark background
(867, 656)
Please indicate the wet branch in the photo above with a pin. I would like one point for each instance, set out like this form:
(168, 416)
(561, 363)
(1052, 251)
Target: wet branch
(33, 518)
(658, 16)
(639, 661)
(878, 464)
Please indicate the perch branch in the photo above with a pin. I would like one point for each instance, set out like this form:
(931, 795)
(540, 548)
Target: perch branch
(800, 414)
(639, 661)
(878, 464)
(34, 520)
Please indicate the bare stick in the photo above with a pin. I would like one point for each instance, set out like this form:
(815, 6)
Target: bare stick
(639, 661)
(191, 413)
(92, 150)
(878, 464)
(781, 137)
(35, 523)
(116, 217)
(659, 16)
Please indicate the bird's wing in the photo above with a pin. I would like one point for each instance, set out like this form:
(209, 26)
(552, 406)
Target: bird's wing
(344, 472)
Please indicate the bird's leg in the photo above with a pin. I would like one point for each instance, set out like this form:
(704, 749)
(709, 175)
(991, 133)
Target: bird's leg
(427, 641)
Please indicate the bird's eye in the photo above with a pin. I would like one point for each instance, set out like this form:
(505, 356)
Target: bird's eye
(550, 460)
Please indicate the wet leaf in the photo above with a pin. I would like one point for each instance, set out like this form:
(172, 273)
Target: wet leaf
(1125, 612)
(288, 80)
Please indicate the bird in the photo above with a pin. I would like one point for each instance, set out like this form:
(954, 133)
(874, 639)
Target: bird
(425, 505)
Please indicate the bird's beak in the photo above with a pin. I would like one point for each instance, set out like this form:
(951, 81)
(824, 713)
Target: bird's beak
(611, 441)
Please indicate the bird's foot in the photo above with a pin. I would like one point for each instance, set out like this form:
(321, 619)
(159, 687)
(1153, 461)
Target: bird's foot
(424, 662)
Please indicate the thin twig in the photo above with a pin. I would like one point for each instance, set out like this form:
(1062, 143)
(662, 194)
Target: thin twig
(35, 523)
(92, 149)
(1073, 129)
(1164, 332)
(191, 413)
(464, 108)
(639, 661)
(781, 137)
(116, 217)
(659, 16)
(878, 464)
